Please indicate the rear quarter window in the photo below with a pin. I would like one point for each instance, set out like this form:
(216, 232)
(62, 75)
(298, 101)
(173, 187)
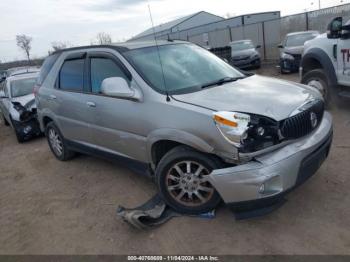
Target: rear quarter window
(46, 67)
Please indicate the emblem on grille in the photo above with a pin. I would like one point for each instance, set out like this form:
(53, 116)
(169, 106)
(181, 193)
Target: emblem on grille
(313, 119)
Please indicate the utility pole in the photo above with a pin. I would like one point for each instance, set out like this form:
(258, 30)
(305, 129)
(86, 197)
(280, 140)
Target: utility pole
(319, 4)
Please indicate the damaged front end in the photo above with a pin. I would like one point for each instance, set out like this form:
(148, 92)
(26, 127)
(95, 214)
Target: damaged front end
(24, 120)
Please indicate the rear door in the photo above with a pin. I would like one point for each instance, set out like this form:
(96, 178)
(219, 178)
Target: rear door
(69, 99)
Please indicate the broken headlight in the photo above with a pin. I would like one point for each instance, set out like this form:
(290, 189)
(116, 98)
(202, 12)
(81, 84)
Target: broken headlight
(24, 113)
(247, 132)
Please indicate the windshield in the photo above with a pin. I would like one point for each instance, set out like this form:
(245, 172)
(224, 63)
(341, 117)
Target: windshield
(242, 45)
(187, 68)
(22, 87)
(299, 40)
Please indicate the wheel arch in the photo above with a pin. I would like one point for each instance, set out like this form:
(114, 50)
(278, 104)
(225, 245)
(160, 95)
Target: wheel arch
(316, 58)
(161, 141)
(45, 117)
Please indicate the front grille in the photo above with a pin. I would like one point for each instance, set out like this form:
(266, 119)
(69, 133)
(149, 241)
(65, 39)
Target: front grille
(297, 60)
(303, 123)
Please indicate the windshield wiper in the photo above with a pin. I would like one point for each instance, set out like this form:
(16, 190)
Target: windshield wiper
(222, 81)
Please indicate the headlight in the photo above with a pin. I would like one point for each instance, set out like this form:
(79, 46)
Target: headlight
(233, 126)
(287, 56)
(249, 133)
(254, 56)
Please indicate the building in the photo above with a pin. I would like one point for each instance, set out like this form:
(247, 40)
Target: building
(177, 25)
(200, 24)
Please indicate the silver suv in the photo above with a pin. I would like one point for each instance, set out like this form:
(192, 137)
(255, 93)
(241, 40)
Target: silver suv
(206, 131)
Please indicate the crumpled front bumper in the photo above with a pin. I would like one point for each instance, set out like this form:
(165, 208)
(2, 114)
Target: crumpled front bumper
(275, 173)
(288, 65)
(250, 62)
(28, 128)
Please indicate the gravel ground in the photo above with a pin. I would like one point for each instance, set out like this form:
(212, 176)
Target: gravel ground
(50, 207)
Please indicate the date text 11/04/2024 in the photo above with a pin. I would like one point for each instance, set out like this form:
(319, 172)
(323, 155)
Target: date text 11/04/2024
(173, 258)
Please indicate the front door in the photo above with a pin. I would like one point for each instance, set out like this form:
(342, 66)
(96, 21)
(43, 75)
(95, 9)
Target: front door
(115, 126)
(6, 101)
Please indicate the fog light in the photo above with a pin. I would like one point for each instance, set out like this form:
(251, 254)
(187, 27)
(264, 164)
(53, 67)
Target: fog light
(27, 129)
(262, 189)
(260, 131)
(272, 186)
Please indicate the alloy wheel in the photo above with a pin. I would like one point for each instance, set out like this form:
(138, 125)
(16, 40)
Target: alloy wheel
(56, 142)
(187, 184)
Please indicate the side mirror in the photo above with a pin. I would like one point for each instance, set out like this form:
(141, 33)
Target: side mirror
(334, 28)
(280, 46)
(116, 87)
(258, 46)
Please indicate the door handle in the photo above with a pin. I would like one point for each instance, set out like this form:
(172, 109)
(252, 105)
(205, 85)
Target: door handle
(52, 97)
(91, 104)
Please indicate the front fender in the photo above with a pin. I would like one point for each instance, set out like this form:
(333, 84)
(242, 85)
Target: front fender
(179, 136)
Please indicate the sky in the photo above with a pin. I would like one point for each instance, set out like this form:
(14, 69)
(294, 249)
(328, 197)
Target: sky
(77, 22)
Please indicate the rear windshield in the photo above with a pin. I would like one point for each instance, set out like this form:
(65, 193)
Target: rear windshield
(46, 67)
(22, 87)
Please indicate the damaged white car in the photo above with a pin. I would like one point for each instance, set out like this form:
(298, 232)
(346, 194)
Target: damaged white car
(18, 106)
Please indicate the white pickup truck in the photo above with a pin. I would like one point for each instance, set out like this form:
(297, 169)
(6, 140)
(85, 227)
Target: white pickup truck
(326, 61)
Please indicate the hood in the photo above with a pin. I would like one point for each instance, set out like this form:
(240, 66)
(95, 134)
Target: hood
(244, 53)
(259, 95)
(26, 101)
(293, 50)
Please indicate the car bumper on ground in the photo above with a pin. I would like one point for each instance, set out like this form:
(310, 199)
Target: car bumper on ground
(270, 176)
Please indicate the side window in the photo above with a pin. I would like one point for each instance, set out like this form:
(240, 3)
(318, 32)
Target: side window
(72, 75)
(102, 68)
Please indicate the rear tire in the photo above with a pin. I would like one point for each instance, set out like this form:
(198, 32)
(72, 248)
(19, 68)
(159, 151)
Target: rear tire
(319, 79)
(57, 143)
(180, 177)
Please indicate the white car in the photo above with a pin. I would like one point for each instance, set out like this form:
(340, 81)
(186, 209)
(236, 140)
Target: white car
(17, 104)
(326, 61)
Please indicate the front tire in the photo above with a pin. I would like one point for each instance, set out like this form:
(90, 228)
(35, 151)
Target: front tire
(181, 179)
(318, 78)
(19, 136)
(5, 121)
(57, 143)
